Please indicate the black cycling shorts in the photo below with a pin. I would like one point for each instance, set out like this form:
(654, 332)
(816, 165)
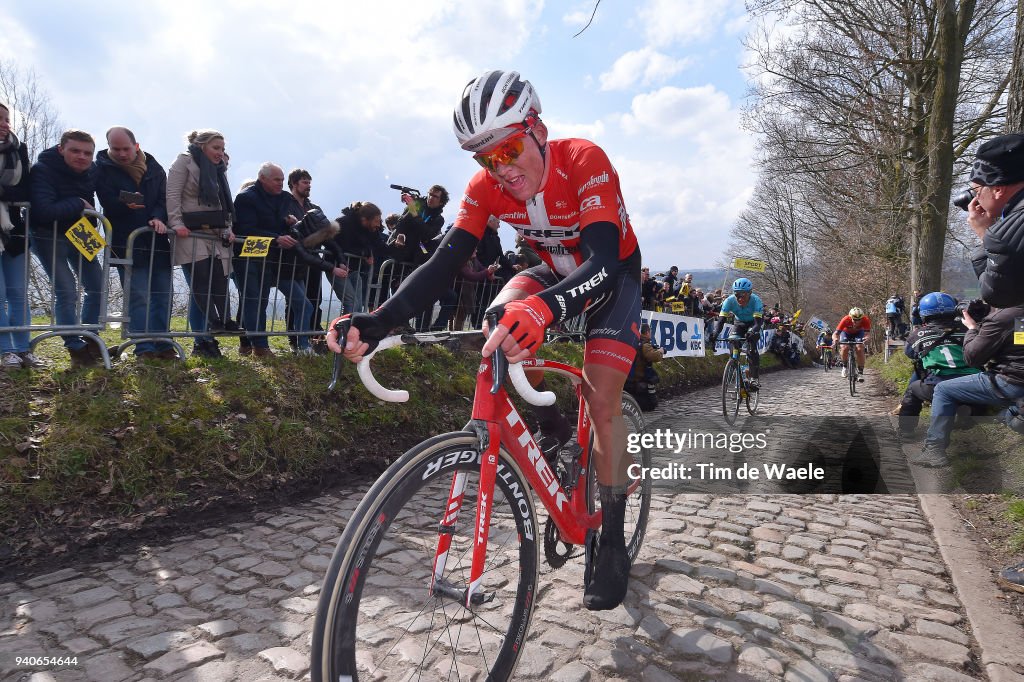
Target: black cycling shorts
(613, 319)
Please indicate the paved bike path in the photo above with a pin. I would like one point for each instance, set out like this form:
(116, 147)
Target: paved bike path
(726, 586)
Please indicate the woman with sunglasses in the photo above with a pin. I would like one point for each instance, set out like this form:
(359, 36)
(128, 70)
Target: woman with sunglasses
(563, 197)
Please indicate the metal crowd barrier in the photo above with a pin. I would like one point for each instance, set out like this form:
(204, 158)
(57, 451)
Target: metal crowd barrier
(58, 267)
(365, 288)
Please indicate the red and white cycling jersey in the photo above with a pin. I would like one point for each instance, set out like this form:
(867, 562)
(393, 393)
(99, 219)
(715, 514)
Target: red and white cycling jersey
(582, 188)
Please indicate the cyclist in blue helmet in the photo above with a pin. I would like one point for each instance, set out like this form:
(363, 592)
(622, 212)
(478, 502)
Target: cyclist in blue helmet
(746, 310)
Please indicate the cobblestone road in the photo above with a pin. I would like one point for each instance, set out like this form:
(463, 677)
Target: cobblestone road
(819, 587)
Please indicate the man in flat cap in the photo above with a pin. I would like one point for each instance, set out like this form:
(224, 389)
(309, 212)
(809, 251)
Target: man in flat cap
(996, 214)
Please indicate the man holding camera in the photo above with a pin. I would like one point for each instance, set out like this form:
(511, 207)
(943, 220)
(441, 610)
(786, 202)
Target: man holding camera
(996, 214)
(132, 187)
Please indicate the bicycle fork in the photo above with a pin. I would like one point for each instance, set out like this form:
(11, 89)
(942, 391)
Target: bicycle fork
(489, 440)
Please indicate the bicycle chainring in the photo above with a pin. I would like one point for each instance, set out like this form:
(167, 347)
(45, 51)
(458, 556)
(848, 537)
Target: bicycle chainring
(556, 552)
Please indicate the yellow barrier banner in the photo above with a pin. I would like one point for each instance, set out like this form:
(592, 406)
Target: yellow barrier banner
(749, 264)
(256, 247)
(86, 238)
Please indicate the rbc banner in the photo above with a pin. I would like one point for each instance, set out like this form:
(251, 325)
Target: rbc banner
(679, 336)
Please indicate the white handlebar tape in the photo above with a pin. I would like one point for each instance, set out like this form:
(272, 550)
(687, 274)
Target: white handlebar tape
(366, 374)
(523, 387)
(516, 373)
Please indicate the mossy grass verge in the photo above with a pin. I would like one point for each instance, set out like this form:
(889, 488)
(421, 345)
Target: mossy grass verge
(89, 450)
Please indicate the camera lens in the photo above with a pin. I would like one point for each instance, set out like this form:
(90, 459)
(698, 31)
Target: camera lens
(963, 199)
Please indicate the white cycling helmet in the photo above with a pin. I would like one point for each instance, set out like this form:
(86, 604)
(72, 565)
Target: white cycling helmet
(493, 101)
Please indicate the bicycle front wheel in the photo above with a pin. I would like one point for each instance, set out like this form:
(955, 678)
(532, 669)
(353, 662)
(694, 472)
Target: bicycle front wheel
(752, 397)
(730, 392)
(827, 358)
(381, 616)
(851, 371)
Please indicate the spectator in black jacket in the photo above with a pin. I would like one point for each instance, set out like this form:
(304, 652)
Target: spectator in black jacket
(310, 232)
(262, 211)
(63, 185)
(359, 245)
(996, 214)
(648, 288)
(15, 347)
(124, 167)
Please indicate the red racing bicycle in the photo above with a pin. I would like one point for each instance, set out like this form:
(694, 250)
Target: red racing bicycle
(421, 585)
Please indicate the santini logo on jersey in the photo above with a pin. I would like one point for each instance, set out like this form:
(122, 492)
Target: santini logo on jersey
(594, 180)
(469, 200)
(589, 284)
(508, 217)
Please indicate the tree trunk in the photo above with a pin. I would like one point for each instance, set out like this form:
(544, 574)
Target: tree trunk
(949, 52)
(1015, 104)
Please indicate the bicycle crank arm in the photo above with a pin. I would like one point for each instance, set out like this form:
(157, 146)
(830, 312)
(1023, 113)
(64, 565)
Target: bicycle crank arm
(443, 588)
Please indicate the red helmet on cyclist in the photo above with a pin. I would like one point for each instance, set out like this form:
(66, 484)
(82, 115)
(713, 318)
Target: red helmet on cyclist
(489, 105)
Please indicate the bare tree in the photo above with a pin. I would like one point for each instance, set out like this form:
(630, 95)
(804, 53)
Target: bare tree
(34, 119)
(869, 105)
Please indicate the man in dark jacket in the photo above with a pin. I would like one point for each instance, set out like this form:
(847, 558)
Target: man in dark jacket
(996, 214)
(123, 169)
(64, 185)
(988, 344)
(261, 210)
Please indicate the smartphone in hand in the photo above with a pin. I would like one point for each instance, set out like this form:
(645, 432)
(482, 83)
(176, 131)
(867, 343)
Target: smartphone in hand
(126, 197)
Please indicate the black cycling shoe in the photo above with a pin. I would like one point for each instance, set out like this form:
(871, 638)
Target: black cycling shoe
(610, 579)
(552, 440)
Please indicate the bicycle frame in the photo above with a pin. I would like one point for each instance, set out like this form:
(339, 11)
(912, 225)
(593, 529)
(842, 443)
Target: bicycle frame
(498, 424)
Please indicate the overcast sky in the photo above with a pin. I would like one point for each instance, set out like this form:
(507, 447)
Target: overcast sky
(361, 93)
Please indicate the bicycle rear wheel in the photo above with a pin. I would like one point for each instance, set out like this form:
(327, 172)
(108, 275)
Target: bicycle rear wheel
(378, 617)
(638, 503)
(730, 392)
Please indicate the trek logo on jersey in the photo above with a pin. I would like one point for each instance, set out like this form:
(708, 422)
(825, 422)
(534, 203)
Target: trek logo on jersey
(590, 203)
(589, 284)
(562, 173)
(555, 233)
(593, 181)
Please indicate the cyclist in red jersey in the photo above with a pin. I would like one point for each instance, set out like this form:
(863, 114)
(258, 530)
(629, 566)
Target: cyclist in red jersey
(853, 327)
(563, 197)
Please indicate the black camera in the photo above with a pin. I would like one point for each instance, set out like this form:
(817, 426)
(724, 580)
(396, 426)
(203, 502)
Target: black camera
(963, 199)
(978, 309)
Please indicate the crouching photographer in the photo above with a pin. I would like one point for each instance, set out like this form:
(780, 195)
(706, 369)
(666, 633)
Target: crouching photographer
(642, 376)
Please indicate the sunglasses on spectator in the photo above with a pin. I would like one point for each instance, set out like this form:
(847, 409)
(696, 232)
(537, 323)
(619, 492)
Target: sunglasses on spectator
(504, 154)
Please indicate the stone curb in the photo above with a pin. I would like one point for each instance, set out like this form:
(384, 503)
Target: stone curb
(999, 636)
